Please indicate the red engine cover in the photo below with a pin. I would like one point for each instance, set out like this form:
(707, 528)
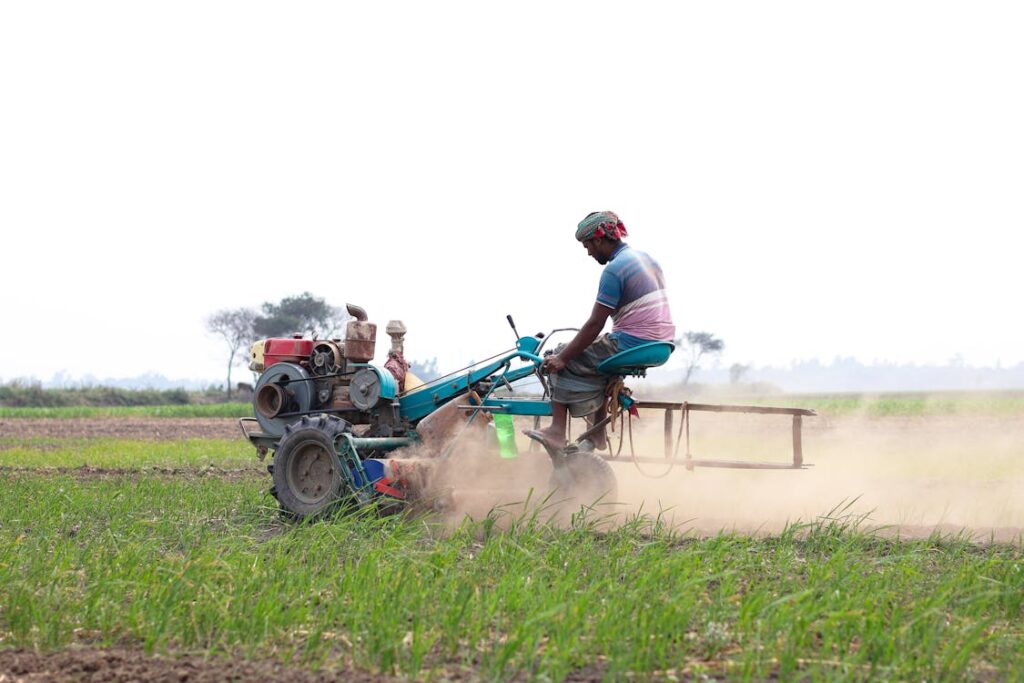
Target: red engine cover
(276, 350)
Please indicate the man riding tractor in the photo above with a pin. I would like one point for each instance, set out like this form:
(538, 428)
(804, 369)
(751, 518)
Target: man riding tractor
(632, 292)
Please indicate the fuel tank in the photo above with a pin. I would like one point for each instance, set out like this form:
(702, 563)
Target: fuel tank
(277, 350)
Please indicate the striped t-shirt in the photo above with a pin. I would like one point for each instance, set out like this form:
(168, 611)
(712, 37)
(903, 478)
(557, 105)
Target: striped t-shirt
(633, 286)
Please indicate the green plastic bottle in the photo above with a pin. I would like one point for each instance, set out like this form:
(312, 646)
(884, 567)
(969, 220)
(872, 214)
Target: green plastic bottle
(505, 428)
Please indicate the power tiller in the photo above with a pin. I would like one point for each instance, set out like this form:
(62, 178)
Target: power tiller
(341, 429)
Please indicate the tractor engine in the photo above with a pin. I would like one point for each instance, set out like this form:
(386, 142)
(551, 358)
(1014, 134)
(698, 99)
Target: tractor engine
(310, 376)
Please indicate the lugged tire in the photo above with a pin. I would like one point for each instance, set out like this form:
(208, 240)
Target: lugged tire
(306, 472)
(587, 477)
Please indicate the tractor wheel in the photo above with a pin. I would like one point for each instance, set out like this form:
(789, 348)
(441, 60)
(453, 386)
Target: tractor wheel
(306, 472)
(585, 476)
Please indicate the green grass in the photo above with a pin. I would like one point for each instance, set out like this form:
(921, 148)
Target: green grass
(41, 452)
(910, 404)
(68, 412)
(205, 565)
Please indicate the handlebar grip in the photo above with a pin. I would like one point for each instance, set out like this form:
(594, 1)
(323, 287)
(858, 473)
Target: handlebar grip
(531, 357)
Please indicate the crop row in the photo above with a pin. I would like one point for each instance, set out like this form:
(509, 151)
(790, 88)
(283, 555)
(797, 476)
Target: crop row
(205, 564)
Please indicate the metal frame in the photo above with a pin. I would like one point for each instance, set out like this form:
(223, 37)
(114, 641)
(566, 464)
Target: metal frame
(672, 443)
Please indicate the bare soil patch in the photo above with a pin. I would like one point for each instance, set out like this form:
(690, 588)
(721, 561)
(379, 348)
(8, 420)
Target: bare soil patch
(109, 666)
(136, 428)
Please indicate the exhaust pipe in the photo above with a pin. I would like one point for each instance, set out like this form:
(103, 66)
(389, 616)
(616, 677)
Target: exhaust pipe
(357, 312)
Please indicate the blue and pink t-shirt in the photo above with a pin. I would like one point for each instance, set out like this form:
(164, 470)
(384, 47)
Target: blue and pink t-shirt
(633, 286)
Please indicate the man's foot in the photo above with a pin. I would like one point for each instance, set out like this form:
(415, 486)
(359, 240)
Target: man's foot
(551, 440)
(600, 437)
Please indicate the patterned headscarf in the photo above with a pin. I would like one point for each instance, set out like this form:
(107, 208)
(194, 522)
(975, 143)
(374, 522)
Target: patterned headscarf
(601, 224)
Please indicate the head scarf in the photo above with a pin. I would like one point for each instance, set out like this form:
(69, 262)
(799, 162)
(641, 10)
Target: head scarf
(601, 224)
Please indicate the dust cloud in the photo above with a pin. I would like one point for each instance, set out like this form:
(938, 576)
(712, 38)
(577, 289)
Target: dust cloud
(911, 476)
(465, 477)
(907, 476)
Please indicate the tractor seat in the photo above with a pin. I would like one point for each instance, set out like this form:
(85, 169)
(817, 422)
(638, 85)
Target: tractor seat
(636, 360)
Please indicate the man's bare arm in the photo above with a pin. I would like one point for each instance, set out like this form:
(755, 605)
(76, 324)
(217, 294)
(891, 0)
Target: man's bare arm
(587, 334)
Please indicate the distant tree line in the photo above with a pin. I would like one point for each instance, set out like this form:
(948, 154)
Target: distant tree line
(18, 394)
(851, 375)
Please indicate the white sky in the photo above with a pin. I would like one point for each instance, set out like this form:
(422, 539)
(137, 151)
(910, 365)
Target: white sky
(816, 179)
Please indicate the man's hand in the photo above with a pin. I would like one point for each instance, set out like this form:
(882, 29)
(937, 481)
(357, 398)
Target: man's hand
(587, 334)
(553, 364)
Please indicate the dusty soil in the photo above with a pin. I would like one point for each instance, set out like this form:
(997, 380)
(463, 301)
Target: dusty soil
(108, 666)
(94, 665)
(141, 428)
(911, 476)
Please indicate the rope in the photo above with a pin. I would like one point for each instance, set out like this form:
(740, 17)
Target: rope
(615, 411)
(622, 435)
(636, 463)
(615, 387)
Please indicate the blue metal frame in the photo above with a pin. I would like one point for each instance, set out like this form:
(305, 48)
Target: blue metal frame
(539, 407)
(417, 404)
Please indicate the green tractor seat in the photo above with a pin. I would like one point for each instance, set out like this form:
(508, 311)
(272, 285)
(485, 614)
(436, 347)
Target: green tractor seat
(636, 360)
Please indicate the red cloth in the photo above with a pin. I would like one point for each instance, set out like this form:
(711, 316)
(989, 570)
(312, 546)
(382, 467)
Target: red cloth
(397, 366)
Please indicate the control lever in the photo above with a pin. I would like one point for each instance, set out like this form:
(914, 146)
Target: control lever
(512, 325)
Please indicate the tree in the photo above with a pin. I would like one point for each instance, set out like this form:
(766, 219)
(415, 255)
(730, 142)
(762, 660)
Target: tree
(236, 328)
(736, 372)
(300, 314)
(697, 345)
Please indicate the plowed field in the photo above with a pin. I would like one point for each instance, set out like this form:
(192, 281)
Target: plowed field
(135, 428)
